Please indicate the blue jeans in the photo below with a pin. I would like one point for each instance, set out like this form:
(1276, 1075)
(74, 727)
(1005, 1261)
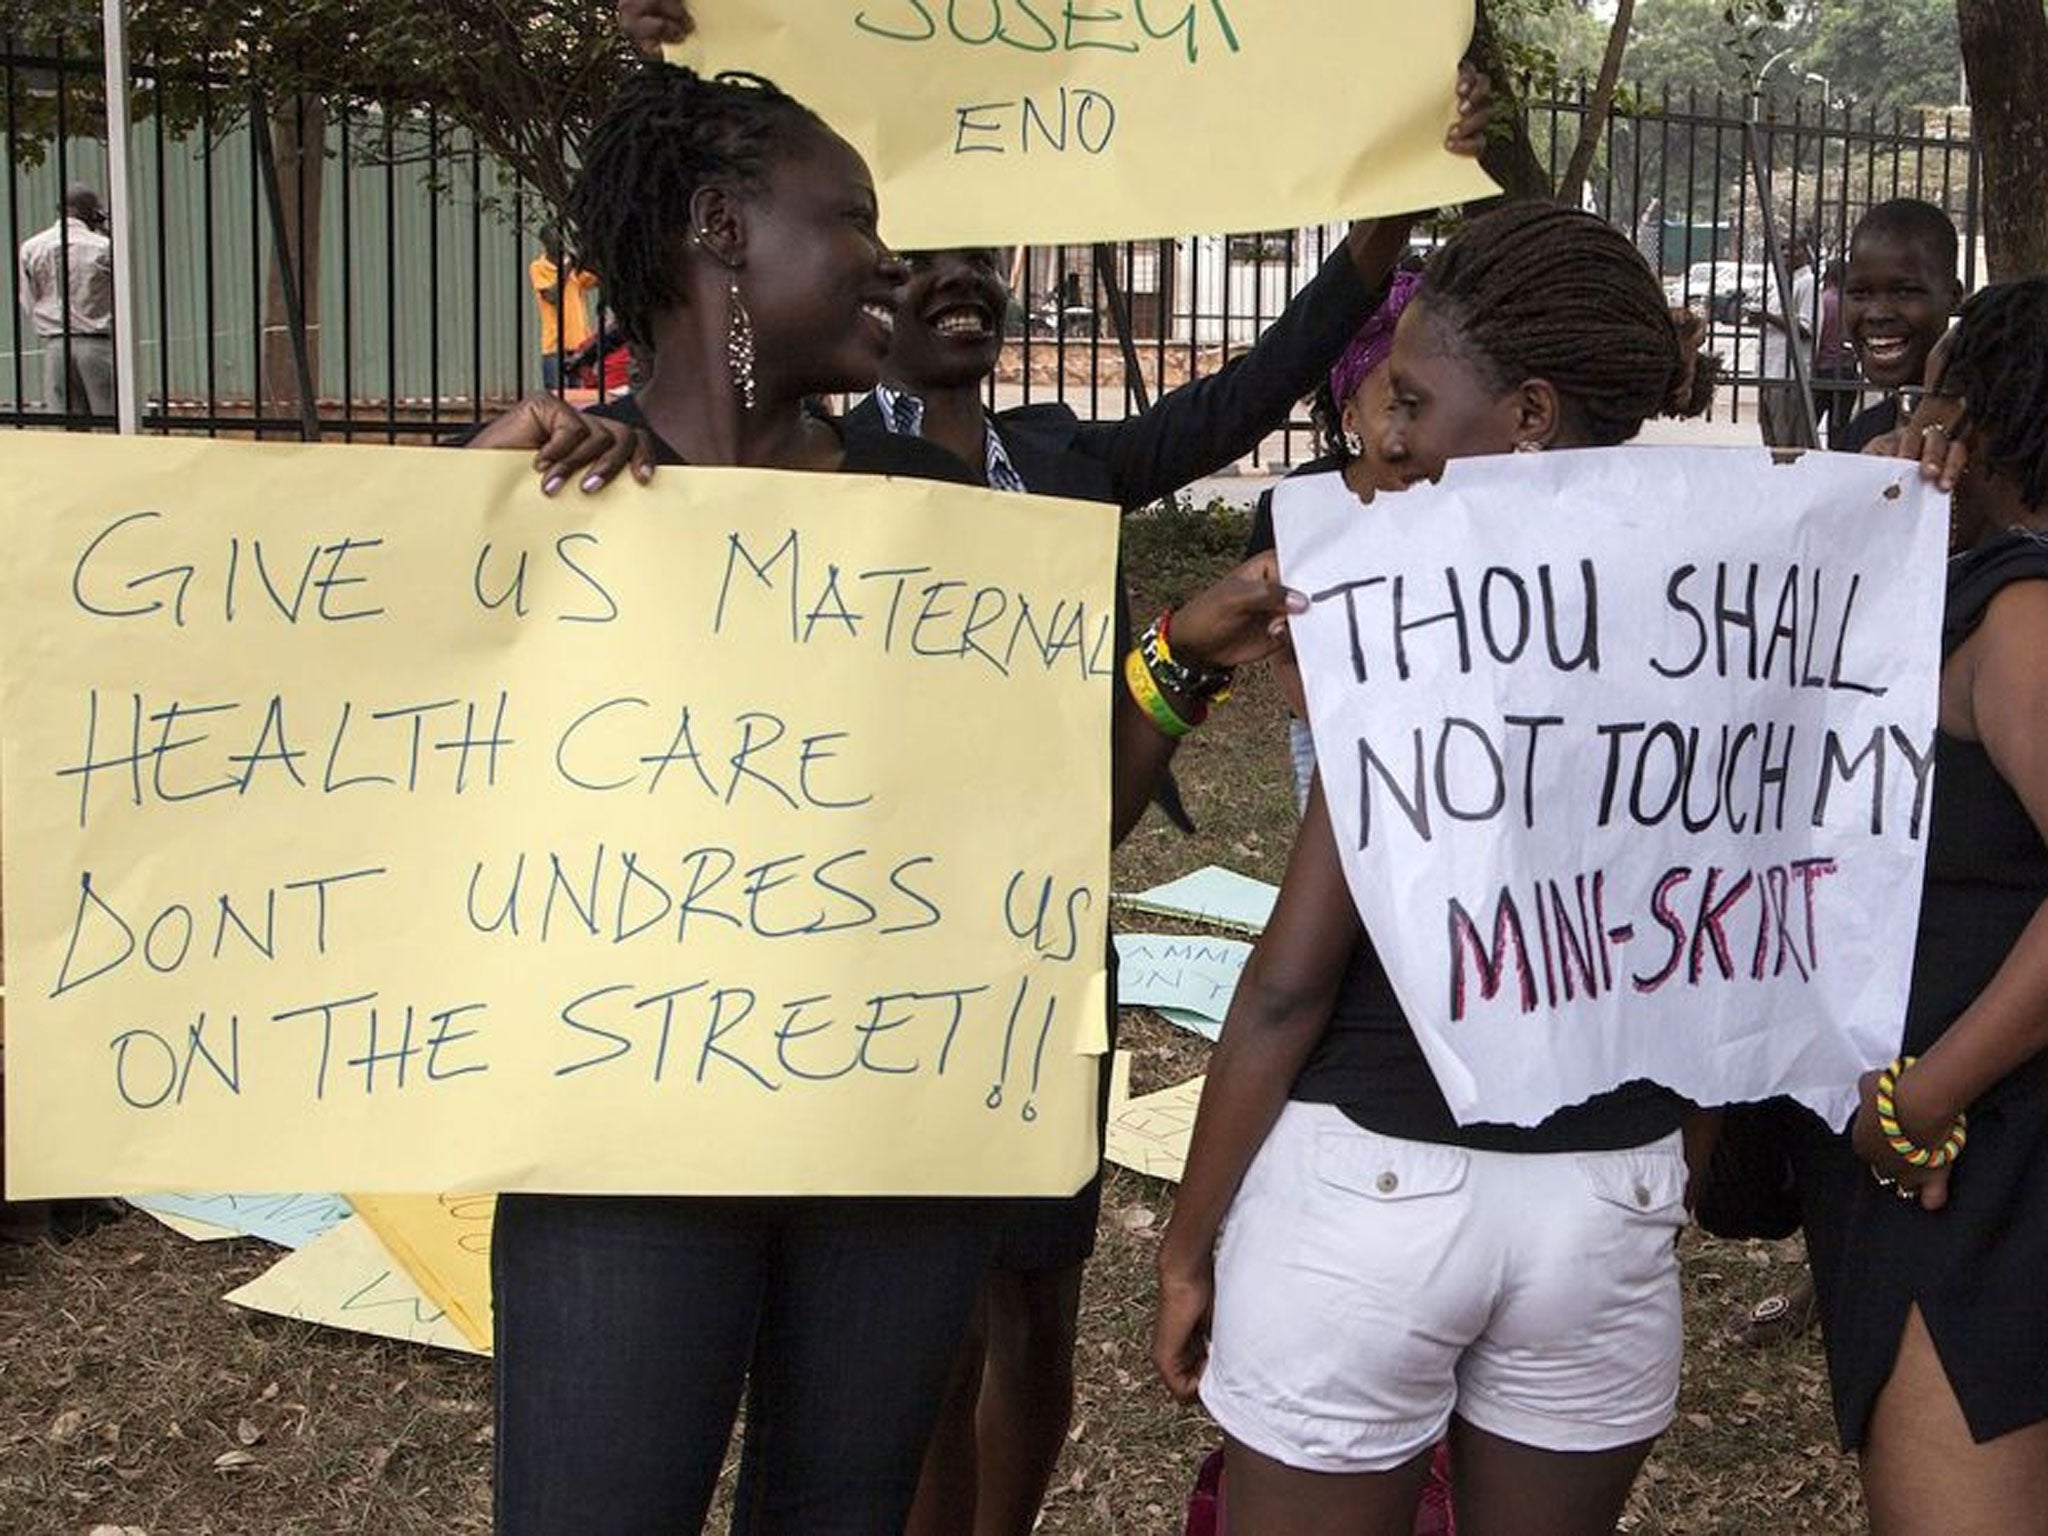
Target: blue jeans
(627, 1328)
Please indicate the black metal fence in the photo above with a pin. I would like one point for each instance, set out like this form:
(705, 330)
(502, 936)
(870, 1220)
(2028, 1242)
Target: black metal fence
(343, 269)
(411, 309)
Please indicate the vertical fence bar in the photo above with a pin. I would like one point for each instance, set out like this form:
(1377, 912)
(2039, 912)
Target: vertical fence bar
(519, 255)
(390, 273)
(476, 288)
(14, 236)
(162, 242)
(289, 268)
(348, 273)
(163, 247)
(258, 130)
(434, 186)
(62, 404)
(208, 308)
(1972, 214)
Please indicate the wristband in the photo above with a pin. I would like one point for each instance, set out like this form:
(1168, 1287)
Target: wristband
(1145, 689)
(1886, 1103)
(1209, 684)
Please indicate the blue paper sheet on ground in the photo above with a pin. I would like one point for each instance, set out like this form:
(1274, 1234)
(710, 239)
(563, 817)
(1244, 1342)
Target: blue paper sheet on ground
(291, 1221)
(1188, 974)
(1211, 894)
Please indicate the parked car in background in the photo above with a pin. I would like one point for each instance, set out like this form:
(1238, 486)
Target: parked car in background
(1724, 289)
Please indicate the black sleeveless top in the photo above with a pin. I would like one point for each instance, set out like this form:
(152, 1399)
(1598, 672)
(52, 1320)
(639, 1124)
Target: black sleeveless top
(1974, 1267)
(1369, 1065)
(1987, 867)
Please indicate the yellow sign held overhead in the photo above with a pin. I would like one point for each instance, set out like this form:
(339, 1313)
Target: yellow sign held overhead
(376, 823)
(989, 122)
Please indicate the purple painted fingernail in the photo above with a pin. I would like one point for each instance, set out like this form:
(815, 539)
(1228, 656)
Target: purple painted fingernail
(592, 481)
(552, 484)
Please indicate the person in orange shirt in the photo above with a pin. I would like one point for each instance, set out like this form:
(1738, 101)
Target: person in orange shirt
(558, 289)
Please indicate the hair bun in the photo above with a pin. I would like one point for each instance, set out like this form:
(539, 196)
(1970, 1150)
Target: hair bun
(1696, 374)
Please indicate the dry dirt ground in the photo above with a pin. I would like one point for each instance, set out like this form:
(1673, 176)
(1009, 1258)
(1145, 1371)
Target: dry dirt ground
(132, 1398)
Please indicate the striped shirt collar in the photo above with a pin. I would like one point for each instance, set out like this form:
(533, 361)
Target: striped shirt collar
(903, 414)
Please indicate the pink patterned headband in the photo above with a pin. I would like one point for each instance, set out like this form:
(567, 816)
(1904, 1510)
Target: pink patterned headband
(1375, 339)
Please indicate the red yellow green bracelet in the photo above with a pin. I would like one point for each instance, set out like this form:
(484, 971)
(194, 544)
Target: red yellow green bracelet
(1895, 1136)
(1158, 708)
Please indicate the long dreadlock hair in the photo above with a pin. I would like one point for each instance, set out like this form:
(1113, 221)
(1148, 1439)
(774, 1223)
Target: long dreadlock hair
(667, 133)
(1998, 363)
(1534, 291)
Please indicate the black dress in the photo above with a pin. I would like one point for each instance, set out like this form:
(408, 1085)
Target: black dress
(1978, 1268)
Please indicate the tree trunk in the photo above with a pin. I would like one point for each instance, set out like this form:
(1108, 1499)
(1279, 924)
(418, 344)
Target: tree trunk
(298, 137)
(1509, 158)
(1599, 109)
(2005, 51)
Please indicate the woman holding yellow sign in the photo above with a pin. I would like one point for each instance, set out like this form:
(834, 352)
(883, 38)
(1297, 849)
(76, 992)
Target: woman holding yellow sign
(737, 235)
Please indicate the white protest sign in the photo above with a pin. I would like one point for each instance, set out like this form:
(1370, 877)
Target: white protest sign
(1628, 753)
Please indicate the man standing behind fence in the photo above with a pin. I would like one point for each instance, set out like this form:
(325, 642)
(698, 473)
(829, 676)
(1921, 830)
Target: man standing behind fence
(1784, 326)
(558, 289)
(67, 287)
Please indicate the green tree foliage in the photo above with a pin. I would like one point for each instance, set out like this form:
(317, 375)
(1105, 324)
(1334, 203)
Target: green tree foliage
(1695, 45)
(525, 79)
(1549, 41)
(1891, 55)
(1876, 54)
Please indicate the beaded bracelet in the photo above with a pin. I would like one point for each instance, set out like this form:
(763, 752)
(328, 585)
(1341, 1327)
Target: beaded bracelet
(1210, 684)
(1145, 689)
(1895, 1136)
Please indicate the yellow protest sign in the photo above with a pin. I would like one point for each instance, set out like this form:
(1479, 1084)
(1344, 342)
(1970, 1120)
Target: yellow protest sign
(375, 823)
(345, 1279)
(1150, 1134)
(994, 121)
(444, 1242)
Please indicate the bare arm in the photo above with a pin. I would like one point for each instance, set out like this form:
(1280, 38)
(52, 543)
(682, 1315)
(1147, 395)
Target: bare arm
(1994, 689)
(1196, 429)
(1237, 619)
(1280, 1010)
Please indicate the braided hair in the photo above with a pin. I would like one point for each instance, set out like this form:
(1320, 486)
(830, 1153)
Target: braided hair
(1998, 362)
(1534, 291)
(668, 132)
(1326, 423)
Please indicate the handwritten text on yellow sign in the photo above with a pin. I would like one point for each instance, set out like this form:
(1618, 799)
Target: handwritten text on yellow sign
(994, 121)
(376, 823)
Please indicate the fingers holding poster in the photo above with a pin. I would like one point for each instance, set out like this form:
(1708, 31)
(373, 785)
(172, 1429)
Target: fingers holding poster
(374, 822)
(1051, 120)
(1629, 754)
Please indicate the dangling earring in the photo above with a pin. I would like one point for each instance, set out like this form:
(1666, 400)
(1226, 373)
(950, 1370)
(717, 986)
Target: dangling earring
(739, 344)
(1354, 445)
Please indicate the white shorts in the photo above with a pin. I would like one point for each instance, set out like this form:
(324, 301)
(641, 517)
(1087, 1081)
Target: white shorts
(1368, 1287)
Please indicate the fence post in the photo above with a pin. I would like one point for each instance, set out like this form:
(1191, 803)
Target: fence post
(1802, 374)
(281, 253)
(127, 319)
(1120, 317)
